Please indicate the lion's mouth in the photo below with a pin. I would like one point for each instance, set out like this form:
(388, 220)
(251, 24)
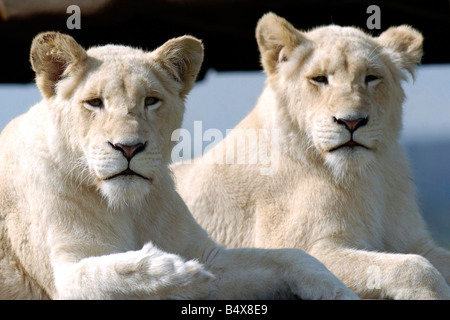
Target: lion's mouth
(127, 172)
(349, 144)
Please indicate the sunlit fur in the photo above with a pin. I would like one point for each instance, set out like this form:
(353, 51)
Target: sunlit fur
(352, 207)
(72, 228)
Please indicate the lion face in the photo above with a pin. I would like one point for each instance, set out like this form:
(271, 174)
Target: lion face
(123, 119)
(114, 110)
(339, 88)
(342, 86)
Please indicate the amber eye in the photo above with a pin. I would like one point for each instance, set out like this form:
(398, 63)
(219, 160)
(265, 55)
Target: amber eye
(150, 101)
(96, 102)
(320, 80)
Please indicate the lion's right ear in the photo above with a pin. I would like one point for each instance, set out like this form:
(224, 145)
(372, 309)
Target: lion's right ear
(53, 56)
(276, 39)
(404, 45)
(182, 58)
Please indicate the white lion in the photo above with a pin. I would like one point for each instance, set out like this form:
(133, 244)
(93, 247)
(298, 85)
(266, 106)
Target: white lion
(88, 208)
(341, 189)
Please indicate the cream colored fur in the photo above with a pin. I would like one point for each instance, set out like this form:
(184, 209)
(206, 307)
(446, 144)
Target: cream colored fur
(71, 227)
(352, 207)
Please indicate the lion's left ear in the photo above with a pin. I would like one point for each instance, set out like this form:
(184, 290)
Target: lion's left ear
(404, 45)
(53, 56)
(182, 58)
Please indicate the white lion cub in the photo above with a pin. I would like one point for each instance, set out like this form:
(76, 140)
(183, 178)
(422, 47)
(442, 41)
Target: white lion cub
(88, 208)
(341, 189)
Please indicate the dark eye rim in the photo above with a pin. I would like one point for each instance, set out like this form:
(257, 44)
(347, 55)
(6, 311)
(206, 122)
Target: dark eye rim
(156, 100)
(93, 104)
(320, 79)
(371, 78)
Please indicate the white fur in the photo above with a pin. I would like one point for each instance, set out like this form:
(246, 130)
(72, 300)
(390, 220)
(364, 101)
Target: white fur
(353, 208)
(69, 229)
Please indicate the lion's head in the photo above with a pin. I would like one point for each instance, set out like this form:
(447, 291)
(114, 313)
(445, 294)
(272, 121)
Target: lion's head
(112, 109)
(338, 88)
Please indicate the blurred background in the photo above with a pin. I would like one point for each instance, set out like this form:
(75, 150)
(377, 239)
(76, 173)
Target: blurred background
(231, 78)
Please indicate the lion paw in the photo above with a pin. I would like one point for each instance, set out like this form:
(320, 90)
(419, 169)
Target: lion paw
(181, 279)
(324, 286)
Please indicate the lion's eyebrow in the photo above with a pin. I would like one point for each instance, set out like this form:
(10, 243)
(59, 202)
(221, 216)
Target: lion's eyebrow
(92, 94)
(152, 87)
(374, 66)
(373, 61)
(154, 92)
(319, 70)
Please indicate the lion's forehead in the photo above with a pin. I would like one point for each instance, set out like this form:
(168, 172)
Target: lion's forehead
(332, 34)
(117, 86)
(351, 53)
(120, 62)
(123, 81)
(344, 40)
(115, 52)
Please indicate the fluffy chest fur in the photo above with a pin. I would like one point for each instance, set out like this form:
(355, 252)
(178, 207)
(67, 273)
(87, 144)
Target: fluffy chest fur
(302, 203)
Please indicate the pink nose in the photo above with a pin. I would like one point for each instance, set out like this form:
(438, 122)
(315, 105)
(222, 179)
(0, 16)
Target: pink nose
(352, 124)
(129, 151)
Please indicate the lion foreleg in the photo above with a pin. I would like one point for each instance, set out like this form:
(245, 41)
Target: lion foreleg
(148, 273)
(384, 275)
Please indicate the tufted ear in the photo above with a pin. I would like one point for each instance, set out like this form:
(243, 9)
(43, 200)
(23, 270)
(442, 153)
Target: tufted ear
(182, 58)
(53, 56)
(404, 45)
(276, 39)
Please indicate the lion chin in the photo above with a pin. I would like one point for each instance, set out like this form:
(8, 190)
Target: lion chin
(348, 162)
(125, 190)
